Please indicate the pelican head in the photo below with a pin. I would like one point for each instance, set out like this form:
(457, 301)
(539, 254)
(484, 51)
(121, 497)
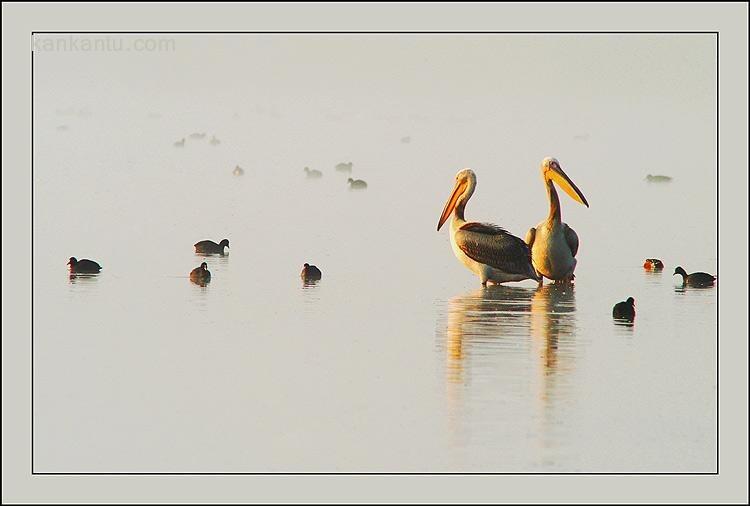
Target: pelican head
(466, 181)
(551, 171)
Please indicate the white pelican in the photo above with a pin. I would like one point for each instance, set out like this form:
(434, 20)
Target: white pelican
(553, 243)
(487, 250)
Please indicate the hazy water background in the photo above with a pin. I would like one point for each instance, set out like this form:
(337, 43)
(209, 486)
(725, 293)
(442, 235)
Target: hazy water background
(397, 360)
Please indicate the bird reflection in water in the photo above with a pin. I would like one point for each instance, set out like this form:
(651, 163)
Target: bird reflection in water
(552, 320)
(481, 325)
(81, 278)
(553, 329)
(308, 284)
(479, 319)
(530, 330)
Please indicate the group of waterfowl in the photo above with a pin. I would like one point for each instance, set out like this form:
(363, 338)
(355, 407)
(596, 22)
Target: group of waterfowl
(549, 250)
(200, 275)
(354, 184)
(626, 310)
(492, 253)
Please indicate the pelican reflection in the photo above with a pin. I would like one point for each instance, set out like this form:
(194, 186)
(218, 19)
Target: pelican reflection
(483, 319)
(552, 319)
(553, 330)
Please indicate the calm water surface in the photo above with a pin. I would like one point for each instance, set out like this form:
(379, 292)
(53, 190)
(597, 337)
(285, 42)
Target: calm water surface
(397, 360)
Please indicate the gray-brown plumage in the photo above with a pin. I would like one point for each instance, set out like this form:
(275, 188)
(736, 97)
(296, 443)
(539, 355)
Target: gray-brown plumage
(492, 245)
(200, 274)
(344, 167)
(357, 184)
(696, 279)
(211, 248)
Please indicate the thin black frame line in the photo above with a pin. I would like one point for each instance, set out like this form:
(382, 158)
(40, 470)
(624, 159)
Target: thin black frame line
(716, 33)
(32, 259)
(718, 229)
(373, 32)
(286, 473)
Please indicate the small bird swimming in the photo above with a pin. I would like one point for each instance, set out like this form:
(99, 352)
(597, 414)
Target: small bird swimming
(238, 171)
(214, 141)
(658, 179)
(344, 167)
(180, 143)
(200, 274)
(310, 273)
(624, 310)
(653, 264)
(210, 247)
(313, 173)
(83, 266)
(356, 184)
(696, 279)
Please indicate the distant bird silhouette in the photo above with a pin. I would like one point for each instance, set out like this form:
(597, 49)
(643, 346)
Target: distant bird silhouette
(214, 141)
(312, 173)
(210, 247)
(696, 279)
(624, 310)
(238, 171)
(180, 143)
(405, 140)
(658, 179)
(197, 135)
(653, 264)
(200, 274)
(356, 184)
(344, 167)
(310, 273)
(84, 266)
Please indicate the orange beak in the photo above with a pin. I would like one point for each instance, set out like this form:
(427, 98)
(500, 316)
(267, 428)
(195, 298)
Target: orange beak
(459, 190)
(561, 178)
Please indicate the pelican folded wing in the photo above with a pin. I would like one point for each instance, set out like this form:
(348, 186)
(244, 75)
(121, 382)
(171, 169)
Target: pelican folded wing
(494, 246)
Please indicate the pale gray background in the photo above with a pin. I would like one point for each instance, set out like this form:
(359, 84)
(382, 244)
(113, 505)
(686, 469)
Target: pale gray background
(727, 136)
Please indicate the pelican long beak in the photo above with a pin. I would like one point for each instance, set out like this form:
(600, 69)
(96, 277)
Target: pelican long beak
(562, 179)
(459, 190)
